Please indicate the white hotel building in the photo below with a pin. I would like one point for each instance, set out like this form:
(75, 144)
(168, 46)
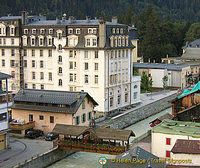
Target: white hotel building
(72, 55)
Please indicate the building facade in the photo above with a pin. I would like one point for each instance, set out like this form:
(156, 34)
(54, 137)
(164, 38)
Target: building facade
(4, 103)
(47, 108)
(72, 55)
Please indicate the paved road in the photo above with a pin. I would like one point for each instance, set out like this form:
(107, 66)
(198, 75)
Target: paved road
(21, 150)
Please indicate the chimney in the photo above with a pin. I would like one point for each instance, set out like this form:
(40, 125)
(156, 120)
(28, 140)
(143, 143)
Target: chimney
(114, 20)
(70, 19)
(102, 34)
(57, 20)
(23, 14)
(64, 17)
(87, 19)
(149, 60)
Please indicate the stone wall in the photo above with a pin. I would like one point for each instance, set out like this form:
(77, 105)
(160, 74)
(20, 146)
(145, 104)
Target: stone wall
(127, 119)
(46, 159)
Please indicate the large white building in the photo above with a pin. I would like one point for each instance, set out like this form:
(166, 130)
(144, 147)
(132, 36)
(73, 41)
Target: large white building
(72, 55)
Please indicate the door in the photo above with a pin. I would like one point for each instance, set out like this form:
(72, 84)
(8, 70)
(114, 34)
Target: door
(2, 141)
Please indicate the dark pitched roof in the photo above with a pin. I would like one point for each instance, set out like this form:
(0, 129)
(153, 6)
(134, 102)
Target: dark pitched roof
(186, 146)
(71, 100)
(4, 76)
(101, 133)
(135, 153)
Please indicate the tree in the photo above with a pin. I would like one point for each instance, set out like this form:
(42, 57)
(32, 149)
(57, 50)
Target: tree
(193, 33)
(164, 80)
(146, 82)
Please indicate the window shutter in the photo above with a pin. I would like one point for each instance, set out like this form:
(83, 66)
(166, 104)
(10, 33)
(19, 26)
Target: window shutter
(88, 116)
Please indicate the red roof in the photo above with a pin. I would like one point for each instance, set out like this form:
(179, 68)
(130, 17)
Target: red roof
(186, 146)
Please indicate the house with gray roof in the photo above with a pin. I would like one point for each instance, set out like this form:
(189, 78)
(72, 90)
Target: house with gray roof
(49, 107)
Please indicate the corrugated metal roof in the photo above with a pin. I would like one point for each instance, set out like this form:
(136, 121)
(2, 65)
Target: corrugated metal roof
(160, 66)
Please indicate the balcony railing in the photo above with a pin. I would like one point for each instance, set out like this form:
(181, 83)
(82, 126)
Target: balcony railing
(18, 126)
(103, 147)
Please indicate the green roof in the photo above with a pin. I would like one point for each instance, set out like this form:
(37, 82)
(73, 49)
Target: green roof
(186, 92)
(178, 128)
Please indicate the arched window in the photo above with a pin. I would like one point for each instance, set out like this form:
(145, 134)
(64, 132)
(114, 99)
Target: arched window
(59, 70)
(59, 47)
(60, 58)
(60, 82)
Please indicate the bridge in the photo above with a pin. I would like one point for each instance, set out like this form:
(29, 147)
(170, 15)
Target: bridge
(89, 139)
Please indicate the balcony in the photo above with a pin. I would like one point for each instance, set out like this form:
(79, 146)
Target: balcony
(21, 126)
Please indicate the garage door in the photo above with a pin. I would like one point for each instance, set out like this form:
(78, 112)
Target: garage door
(2, 141)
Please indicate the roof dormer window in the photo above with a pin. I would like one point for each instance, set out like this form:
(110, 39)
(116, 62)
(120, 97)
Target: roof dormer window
(113, 30)
(42, 31)
(70, 31)
(78, 31)
(121, 31)
(25, 31)
(33, 31)
(90, 31)
(50, 31)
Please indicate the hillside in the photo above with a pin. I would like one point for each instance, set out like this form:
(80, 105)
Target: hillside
(180, 10)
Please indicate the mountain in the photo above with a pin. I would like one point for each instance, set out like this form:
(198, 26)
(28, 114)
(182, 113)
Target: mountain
(179, 10)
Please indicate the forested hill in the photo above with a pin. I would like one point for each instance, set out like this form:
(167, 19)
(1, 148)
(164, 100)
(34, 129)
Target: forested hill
(180, 10)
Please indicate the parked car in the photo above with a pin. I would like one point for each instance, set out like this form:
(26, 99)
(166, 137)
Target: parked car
(50, 137)
(34, 134)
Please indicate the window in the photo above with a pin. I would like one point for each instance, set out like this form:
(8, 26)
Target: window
(3, 116)
(59, 70)
(77, 120)
(3, 63)
(83, 104)
(41, 53)
(74, 77)
(168, 141)
(4, 41)
(60, 58)
(168, 154)
(12, 41)
(42, 87)
(51, 119)
(94, 31)
(42, 31)
(90, 31)
(33, 75)
(41, 117)
(25, 52)
(50, 53)
(121, 31)
(86, 79)
(135, 95)
(13, 74)
(2, 52)
(111, 101)
(30, 117)
(33, 31)
(117, 30)
(12, 52)
(34, 86)
(26, 86)
(33, 63)
(119, 99)
(25, 31)
(41, 41)
(94, 42)
(70, 53)
(78, 31)
(25, 63)
(89, 115)
(86, 65)
(50, 31)
(126, 97)
(60, 82)
(50, 76)
(96, 66)
(50, 41)
(70, 65)
(113, 30)
(83, 118)
(33, 53)
(41, 64)
(32, 41)
(96, 54)
(86, 54)
(0, 41)
(41, 75)
(59, 47)
(87, 42)
(96, 78)
(71, 77)
(12, 63)
(70, 31)
(59, 36)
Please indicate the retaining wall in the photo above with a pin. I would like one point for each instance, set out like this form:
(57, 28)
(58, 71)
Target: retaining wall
(46, 159)
(124, 120)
